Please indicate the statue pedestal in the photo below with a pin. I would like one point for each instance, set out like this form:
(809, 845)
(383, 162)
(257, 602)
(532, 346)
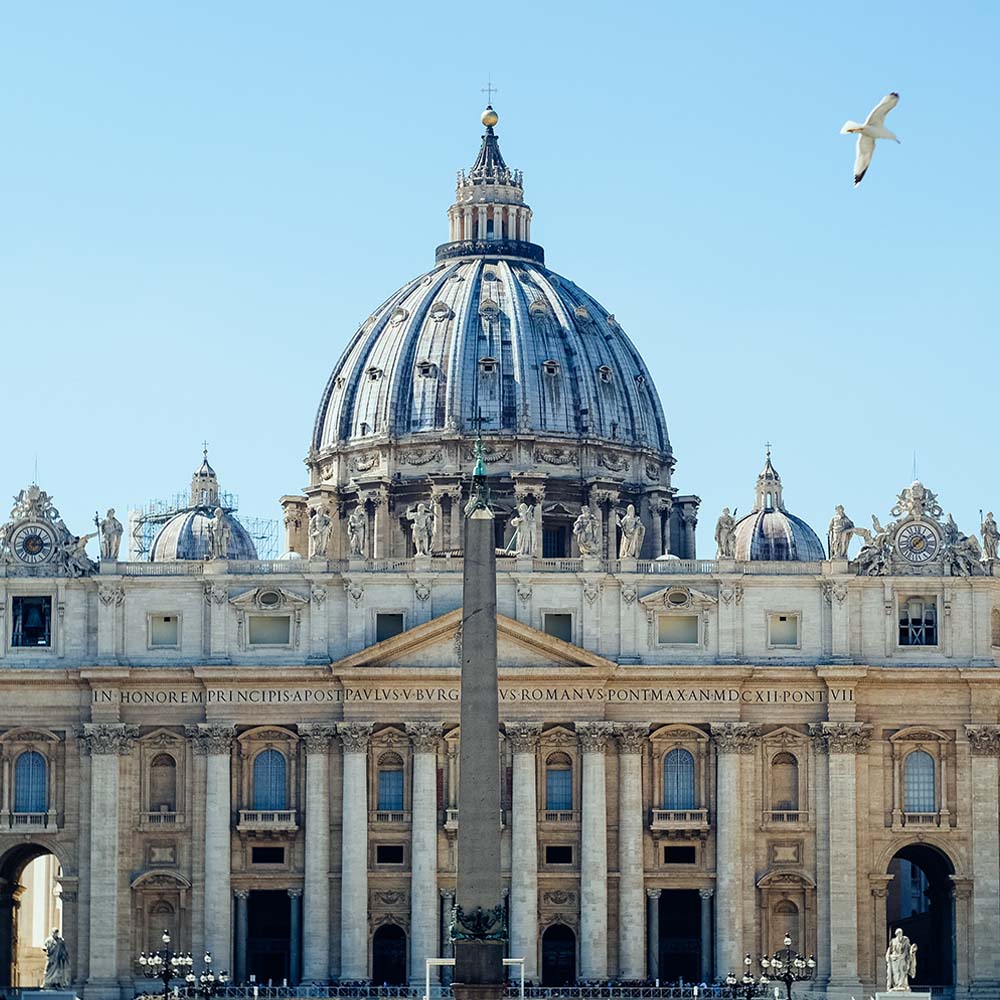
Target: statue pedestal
(590, 564)
(356, 564)
(629, 565)
(902, 995)
(422, 564)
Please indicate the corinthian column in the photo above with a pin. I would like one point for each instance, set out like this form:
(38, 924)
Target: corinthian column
(424, 900)
(844, 741)
(354, 737)
(105, 744)
(631, 870)
(733, 740)
(984, 744)
(316, 739)
(593, 738)
(523, 737)
(215, 743)
(821, 760)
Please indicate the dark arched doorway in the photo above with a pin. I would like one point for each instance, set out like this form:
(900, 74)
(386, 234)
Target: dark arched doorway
(389, 956)
(29, 909)
(680, 936)
(920, 902)
(558, 956)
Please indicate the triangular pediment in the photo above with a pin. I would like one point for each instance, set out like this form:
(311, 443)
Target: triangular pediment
(436, 644)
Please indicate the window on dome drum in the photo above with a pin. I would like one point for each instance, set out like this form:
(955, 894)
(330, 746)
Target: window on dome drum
(163, 784)
(425, 369)
(558, 624)
(550, 367)
(919, 793)
(163, 630)
(918, 622)
(783, 630)
(374, 374)
(677, 630)
(678, 780)
(390, 783)
(270, 781)
(31, 623)
(559, 783)
(784, 783)
(554, 542)
(487, 365)
(269, 630)
(388, 624)
(604, 374)
(389, 854)
(558, 854)
(30, 783)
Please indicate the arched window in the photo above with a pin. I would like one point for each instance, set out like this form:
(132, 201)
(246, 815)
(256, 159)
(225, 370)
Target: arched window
(918, 783)
(678, 779)
(163, 784)
(390, 783)
(784, 783)
(30, 792)
(558, 783)
(270, 780)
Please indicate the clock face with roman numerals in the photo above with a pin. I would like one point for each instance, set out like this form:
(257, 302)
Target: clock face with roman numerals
(917, 542)
(33, 544)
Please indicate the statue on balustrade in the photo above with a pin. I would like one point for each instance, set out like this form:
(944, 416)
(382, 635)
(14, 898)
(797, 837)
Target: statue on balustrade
(111, 535)
(900, 962)
(319, 532)
(839, 534)
(523, 523)
(220, 534)
(421, 519)
(991, 537)
(357, 531)
(57, 975)
(725, 535)
(633, 531)
(586, 529)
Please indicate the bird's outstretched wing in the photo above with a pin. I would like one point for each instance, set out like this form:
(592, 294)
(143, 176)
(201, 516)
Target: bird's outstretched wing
(863, 157)
(878, 113)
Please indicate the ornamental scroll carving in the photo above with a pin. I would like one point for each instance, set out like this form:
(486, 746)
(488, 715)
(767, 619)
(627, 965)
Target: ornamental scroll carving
(735, 737)
(593, 736)
(631, 736)
(424, 736)
(211, 740)
(355, 736)
(984, 741)
(523, 736)
(847, 737)
(108, 738)
(317, 737)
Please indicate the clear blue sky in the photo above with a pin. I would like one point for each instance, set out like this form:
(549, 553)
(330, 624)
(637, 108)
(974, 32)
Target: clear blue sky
(200, 202)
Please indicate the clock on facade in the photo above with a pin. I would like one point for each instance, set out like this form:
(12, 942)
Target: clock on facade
(33, 543)
(917, 542)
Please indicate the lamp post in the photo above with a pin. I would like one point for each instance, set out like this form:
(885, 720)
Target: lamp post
(208, 983)
(788, 966)
(165, 964)
(747, 987)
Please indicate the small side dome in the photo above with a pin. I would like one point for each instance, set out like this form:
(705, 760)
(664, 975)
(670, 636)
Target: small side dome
(769, 531)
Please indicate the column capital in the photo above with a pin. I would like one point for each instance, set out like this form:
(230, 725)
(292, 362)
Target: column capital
(242, 894)
(446, 893)
(211, 739)
(818, 738)
(317, 736)
(984, 741)
(654, 893)
(847, 737)
(631, 736)
(735, 737)
(294, 893)
(424, 736)
(593, 736)
(706, 893)
(523, 736)
(355, 736)
(100, 738)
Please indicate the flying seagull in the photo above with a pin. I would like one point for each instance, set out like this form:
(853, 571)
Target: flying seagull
(873, 128)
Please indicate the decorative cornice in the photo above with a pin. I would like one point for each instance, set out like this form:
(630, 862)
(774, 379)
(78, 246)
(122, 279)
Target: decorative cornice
(735, 737)
(355, 736)
(100, 739)
(523, 736)
(424, 736)
(984, 741)
(211, 739)
(847, 737)
(317, 736)
(490, 248)
(631, 736)
(593, 736)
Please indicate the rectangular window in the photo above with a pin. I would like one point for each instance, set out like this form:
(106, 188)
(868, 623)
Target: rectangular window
(163, 630)
(387, 625)
(554, 542)
(558, 854)
(783, 630)
(679, 855)
(32, 621)
(390, 791)
(558, 789)
(677, 630)
(559, 625)
(918, 622)
(267, 855)
(269, 630)
(388, 854)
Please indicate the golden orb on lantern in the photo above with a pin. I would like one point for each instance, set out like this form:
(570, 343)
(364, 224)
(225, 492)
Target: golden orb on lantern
(490, 117)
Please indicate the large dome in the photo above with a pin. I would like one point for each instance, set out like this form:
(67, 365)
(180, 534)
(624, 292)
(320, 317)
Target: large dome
(498, 336)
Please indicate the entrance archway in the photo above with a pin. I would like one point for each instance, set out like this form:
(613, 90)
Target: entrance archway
(389, 956)
(680, 936)
(920, 902)
(29, 909)
(558, 956)
(269, 935)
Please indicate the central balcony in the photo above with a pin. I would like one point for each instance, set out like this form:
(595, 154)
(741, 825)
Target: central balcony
(260, 821)
(693, 821)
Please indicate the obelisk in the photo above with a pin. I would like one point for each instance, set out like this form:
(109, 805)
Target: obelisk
(478, 927)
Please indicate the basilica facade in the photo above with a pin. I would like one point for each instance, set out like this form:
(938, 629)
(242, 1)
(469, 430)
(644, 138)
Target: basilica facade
(699, 756)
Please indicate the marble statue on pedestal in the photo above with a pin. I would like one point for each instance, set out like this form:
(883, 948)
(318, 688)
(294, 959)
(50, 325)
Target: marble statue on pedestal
(585, 527)
(111, 535)
(523, 523)
(422, 520)
(900, 962)
(991, 537)
(633, 532)
(725, 535)
(219, 535)
(319, 532)
(838, 535)
(57, 973)
(357, 532)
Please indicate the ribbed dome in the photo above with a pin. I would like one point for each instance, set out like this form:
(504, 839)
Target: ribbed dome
(769, 531)
(506, 337)
(185, 536)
